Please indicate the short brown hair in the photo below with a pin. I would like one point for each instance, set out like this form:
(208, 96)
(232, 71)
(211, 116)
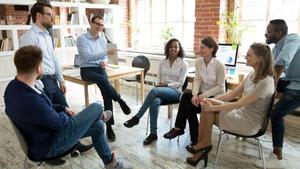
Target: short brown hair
(210, 43)
(27, 59)
(38, 8)
(265, 69)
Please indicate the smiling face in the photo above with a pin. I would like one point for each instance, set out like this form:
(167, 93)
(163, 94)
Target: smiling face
(252, 59)
(97, 25)
(174, 49)
(205, 51)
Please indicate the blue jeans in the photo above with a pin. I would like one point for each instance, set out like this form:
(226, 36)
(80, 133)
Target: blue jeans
(153, 100)
(84, 124)
(53, 91)
(99, 76)
(287, 103)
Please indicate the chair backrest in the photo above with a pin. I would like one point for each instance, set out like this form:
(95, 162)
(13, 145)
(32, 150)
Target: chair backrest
(20, 137)
(267, 118)
(185, 83)
(263, 126)
(141, 62)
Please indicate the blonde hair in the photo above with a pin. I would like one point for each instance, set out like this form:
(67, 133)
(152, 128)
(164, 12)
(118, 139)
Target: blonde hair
(265, 67)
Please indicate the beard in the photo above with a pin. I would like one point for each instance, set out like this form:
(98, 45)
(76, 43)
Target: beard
(47, 25)
(271, 40)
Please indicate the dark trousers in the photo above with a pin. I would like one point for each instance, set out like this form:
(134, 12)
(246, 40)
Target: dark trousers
(99, 76)
(289, 101)
(187, 111)
(53, 91)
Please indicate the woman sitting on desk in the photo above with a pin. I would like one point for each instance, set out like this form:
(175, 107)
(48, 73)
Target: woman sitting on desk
(171, 75)
(244, 116)
(209, 82)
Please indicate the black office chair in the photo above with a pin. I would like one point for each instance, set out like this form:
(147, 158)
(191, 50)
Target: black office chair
(256, 136)
(24, 147)
(139, 62)
(170, 107)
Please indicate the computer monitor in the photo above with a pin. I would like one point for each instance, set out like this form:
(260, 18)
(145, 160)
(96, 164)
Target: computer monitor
(227, 54)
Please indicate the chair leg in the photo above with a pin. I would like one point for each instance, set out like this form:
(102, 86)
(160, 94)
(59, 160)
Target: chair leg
(259, 148)
(25, 162)
(81, 163)
(70, 161)
(218, 148)
(137, 93)
(170, 113)
(262, 153)
(148, 118)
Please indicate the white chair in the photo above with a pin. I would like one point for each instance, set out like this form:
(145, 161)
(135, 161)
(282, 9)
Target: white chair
(256, 136)
(24, 147)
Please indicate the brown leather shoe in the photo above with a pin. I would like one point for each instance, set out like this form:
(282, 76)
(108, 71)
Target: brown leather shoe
(173, 133)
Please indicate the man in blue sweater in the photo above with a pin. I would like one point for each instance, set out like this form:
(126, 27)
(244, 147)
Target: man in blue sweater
(50, 130)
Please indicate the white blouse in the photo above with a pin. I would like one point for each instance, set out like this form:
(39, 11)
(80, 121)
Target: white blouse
(210, 79)
(173, 75)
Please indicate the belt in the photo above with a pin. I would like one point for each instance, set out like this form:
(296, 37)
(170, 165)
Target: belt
(49, 76)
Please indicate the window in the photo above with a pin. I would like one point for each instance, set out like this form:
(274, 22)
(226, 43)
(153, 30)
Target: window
(258, 13)
(151, 18)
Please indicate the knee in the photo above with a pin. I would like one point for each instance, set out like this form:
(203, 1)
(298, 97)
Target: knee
(186, 97)
(96, 108)
(153, 92)
(99, 126)
(156, 102)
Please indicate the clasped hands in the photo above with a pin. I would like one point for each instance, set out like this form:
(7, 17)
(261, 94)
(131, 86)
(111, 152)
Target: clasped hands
(202, 101)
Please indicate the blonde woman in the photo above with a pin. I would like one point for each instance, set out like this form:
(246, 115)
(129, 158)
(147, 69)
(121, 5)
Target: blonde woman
(244, 116)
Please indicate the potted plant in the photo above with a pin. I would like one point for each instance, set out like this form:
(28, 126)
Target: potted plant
(166, 34)
(234, 29)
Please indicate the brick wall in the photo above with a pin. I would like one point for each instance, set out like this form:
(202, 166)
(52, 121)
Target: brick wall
(207, 14)
(19, 17)
(124, 17)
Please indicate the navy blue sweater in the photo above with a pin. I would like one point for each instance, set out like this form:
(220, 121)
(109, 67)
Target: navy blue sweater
(35, 116)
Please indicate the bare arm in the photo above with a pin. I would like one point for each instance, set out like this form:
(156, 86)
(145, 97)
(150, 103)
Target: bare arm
(249, 98)
(232, 94)
(278, 70)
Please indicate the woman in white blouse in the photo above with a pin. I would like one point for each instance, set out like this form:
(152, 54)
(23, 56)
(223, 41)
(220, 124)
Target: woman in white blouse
(209, 81)
(244, 116)
(171, 76)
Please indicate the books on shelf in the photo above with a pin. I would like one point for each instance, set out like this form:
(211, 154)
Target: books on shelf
(70, 41)
(5, 44)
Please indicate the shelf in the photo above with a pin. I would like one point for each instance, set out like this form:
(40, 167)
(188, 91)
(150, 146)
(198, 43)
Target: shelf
(84, 5)
(7, 53)
(71, 26)
(15, 27)
(17, 2)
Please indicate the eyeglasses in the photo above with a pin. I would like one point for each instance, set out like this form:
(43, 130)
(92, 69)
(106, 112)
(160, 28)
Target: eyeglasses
(98, 24)
(49, 14)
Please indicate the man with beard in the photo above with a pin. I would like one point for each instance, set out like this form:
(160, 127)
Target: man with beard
(286, 59)
(42, 17)
(51, 130)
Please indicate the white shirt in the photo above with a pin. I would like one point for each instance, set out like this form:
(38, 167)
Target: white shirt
(208, 74)
(210, 79)
(173, 75)
(37, 37)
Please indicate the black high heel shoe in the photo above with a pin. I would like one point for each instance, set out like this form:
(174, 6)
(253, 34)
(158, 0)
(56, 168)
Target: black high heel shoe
(194, 163)
(190, 149)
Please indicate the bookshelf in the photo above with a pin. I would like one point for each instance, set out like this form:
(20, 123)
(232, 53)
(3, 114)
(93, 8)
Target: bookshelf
(65, 31)
(62, 28)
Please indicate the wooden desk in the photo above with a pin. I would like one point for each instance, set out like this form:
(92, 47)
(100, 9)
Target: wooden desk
(114, 73)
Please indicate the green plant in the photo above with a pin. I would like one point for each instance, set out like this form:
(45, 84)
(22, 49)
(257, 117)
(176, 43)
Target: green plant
(234, 29)
(167, 33)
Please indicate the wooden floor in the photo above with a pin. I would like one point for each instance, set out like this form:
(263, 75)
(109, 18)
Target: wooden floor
(163, 154)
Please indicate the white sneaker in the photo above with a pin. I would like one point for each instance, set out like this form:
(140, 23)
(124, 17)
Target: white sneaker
(271, 162)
